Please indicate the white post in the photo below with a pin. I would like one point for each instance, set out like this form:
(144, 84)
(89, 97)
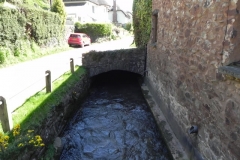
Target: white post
(5, 116)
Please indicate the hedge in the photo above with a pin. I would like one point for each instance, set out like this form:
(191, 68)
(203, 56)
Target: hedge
(94, 30)
(44, 4)
(142, 13)
(58, 7)
(21, 27)
(43, 26)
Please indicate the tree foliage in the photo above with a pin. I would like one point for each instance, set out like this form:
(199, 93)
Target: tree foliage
(142, 13)
(58, 7)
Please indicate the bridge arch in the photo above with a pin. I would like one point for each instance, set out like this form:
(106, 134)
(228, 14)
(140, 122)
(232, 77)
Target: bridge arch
(131, 60)
(116, 77)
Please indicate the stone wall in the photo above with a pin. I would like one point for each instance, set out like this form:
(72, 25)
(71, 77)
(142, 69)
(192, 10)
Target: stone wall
(58, 118)
(132, 60)
(194, 39)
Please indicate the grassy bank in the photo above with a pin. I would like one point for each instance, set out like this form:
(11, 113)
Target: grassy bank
(33, 53)
(29, 117)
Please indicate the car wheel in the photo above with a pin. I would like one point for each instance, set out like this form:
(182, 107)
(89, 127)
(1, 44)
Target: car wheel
(70, 45)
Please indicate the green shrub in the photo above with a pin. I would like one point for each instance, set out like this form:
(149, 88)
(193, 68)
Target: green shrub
(20, 27)
(17, 52)
(44, 4)
(44, 26)
(94, 30)
(113, 37)
(58, 7)
(78, 26)
(26, 30)
(22, 47)
(15, 1)
(128, 27)
(2, 57)
(142, 13)
(5, 53)
(35, 47)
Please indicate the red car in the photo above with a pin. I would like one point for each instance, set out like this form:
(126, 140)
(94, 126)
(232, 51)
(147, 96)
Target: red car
(79, 39)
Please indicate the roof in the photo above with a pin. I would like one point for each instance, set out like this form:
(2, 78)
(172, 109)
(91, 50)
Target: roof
(98, 2)
(75, 4)
(128, 14)
(103, 2)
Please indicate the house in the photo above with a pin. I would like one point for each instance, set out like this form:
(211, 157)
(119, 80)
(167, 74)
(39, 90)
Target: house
(118, 16)
(86, 11)
(193, 74)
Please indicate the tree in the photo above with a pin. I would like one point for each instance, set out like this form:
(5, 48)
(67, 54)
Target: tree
(58, 7)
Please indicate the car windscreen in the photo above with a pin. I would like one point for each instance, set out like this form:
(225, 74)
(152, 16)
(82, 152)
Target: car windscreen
(74, 35)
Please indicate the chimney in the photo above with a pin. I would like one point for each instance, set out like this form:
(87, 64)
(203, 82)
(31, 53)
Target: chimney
(115, 11)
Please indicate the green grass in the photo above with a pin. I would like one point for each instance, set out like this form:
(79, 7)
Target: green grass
(35, 53)
(39, 105)
(36, 109)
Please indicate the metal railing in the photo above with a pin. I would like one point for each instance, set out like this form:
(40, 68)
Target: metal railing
(5, 113)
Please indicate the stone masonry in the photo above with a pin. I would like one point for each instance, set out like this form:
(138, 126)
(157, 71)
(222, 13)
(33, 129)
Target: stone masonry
(132, 60)
(194, 39)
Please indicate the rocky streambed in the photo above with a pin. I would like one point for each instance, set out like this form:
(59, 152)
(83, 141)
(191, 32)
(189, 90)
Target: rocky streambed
(113, 122)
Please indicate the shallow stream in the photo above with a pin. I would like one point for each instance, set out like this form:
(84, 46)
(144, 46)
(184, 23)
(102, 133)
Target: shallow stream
(113, 123)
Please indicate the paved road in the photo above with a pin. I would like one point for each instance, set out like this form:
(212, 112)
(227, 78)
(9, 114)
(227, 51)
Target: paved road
(19, 82)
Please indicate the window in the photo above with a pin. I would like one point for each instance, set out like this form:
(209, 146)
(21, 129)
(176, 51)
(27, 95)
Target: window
(154, 25)
(92, 9)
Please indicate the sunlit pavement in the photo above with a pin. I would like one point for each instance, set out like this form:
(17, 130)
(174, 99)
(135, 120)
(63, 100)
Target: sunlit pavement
(19, 82)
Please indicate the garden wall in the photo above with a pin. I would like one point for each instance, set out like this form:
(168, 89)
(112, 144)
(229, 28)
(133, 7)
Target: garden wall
(58, 118)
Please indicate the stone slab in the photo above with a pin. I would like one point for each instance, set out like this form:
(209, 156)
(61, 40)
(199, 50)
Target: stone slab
(173, 144)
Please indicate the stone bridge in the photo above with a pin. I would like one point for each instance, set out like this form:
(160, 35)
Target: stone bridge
(132, 60)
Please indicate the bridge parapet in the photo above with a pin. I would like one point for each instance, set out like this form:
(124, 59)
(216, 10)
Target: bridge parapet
(132, 60)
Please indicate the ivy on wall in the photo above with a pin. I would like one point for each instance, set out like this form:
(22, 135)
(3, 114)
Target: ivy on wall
(142, 13)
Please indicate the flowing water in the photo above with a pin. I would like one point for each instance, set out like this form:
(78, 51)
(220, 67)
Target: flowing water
(113, 123)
